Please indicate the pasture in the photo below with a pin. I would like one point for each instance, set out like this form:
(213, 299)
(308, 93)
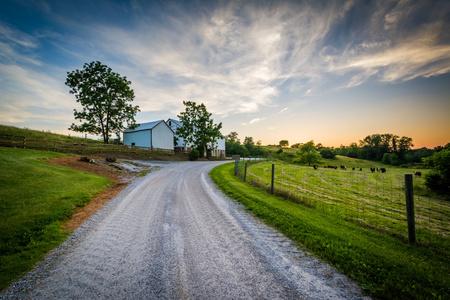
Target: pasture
(372, 200)
(382, 262)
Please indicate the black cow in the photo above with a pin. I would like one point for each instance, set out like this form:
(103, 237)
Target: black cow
(372, 169)
(383, 170)
(417, 173)
(315, 167)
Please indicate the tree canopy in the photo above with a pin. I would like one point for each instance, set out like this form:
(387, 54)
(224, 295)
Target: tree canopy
(105, 97)
(308, 154)
(284, 143)
(198, 128)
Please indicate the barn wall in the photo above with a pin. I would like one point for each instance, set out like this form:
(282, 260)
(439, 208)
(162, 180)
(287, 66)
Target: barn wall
(162, 137)
(140, 138)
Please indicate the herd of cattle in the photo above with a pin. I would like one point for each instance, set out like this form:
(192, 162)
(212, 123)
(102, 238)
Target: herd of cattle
(372, 169)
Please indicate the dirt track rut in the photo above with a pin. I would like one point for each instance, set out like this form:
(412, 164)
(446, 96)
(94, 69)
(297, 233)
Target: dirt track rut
(173, 235)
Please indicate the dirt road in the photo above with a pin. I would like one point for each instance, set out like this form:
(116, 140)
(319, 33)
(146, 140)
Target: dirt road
(173, 235)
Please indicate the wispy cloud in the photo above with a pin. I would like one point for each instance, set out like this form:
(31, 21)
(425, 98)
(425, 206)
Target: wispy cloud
(28, 94)
(283, 110)
(237, 55)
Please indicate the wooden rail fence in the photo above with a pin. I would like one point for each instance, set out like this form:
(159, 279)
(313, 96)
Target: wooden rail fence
(74, 147)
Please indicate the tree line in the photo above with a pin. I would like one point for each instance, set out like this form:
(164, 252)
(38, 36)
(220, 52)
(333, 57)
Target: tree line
(387, 148)
(248, 148)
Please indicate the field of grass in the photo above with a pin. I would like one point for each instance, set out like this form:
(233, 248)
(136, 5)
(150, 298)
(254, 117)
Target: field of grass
(35, 197)
(375, 200)
(382, 264)
(30, 133)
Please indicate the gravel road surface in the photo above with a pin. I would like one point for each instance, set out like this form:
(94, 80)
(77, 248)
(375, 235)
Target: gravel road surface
(173, 235)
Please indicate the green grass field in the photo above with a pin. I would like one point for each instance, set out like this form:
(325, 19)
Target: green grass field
(356, 243)
(35, 197)
(375, 200)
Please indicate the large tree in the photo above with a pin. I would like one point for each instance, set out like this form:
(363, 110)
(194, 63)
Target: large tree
(198, 128)
(106, 100)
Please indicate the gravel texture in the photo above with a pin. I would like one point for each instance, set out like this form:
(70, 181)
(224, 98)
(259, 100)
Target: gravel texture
(173, 235)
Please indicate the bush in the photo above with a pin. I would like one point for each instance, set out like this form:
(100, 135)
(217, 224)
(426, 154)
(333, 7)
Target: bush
(280, 151)
(327, 153)
(434, 181)
(439, 178)
(194, 154)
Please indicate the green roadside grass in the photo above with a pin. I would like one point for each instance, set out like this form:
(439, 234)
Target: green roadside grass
(383, 266)
(35, 197)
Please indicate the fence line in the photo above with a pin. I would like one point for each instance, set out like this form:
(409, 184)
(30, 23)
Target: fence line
(373, 200)
(73, 147)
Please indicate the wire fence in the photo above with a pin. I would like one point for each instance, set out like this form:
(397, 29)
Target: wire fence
(74, 147)
(371, 200)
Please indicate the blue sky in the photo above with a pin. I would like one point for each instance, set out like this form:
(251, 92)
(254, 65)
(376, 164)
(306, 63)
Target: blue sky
(329, 71)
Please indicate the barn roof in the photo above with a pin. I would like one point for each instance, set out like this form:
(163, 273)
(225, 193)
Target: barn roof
(177, 122)
(145, 126)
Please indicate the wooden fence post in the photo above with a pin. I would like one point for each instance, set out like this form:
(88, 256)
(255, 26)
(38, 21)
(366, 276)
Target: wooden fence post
(245, 172)
(24, 142)
(410, 208)
(273, 177)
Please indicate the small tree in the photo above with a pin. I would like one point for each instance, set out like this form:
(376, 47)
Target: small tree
(249, 143)
(105, 97)
(308, 154)
(284, 143)
(198, 128)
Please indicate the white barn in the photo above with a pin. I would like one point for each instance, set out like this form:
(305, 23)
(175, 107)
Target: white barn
(154, 135)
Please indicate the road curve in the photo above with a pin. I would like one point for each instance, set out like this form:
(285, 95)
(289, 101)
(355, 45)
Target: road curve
(173, 235)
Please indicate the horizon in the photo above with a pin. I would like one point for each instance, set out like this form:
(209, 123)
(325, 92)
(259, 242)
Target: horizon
(99, 138)
(329, 71)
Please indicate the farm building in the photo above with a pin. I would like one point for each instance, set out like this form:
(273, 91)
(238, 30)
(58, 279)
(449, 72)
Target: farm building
(154, 135)
(183, 147)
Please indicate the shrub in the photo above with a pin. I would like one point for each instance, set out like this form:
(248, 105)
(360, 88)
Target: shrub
(327, 153)
(194, 154)
(439, 178)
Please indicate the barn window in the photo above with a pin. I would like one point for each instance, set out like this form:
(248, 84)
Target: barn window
(133, 144)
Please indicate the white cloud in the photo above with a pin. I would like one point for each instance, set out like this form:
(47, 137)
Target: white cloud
(233, 59)
(417, 56)
(283, 110)
(28, 94)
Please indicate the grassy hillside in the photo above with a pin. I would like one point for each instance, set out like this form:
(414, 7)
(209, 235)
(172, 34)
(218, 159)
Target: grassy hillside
(382, 264)
(35, 197)
(11, 130)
